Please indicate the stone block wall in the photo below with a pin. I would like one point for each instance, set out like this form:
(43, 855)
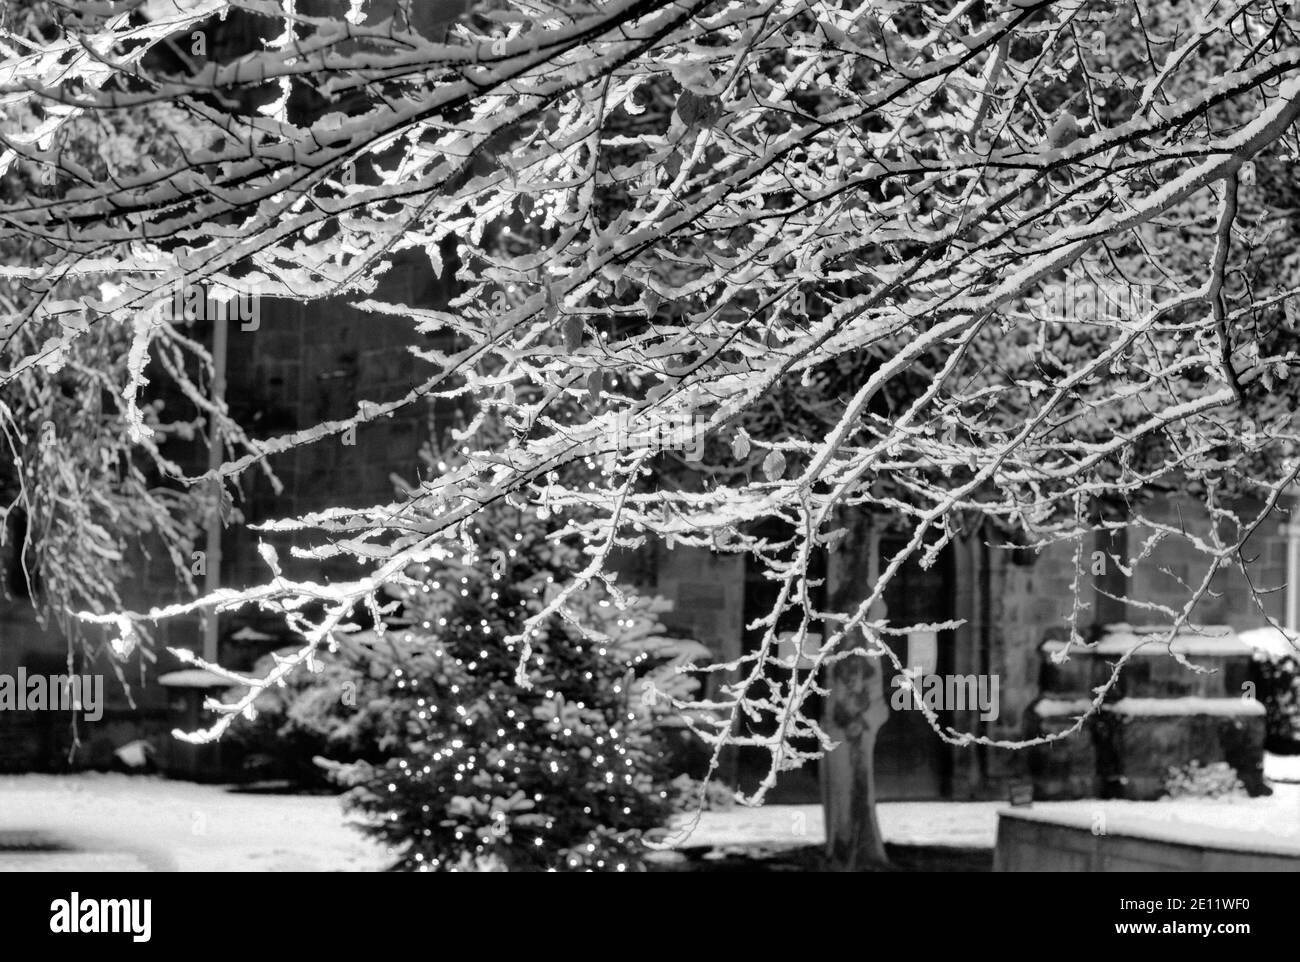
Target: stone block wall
(1160, 715)
(1101, 841)
(1174, 564)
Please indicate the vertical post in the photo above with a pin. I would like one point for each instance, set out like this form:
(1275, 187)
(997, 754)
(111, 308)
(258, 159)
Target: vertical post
(212, 571)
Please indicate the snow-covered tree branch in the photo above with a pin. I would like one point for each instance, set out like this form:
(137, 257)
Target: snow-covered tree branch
(953, 265)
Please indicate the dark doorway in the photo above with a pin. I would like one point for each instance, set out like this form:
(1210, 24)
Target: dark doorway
(749, 765)
(912, 762)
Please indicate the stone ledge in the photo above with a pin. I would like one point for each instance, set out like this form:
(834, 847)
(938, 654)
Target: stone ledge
(1185, 707)
(1214, 641)
(1029, 841)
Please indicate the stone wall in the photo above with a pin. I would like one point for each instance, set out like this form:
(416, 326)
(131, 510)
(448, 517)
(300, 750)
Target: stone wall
(1174, 564)
(312, 362)
(1028, 605)
(1030, 841)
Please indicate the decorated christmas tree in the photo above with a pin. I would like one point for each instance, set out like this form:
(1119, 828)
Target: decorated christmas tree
(564, 773)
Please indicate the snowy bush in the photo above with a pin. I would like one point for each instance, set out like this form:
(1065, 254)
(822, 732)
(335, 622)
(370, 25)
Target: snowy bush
(334, 713)
(688, 794)
(1194, 780)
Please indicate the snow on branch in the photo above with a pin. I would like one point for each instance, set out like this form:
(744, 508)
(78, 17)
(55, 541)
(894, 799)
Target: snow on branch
(724, 275)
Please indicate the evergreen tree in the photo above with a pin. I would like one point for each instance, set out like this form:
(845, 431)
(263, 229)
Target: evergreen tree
(565, 773)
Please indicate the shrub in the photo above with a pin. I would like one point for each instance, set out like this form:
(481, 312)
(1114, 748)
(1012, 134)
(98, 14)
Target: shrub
(685, 791)
(1193, 780)
(335, 713)
(1279, 690)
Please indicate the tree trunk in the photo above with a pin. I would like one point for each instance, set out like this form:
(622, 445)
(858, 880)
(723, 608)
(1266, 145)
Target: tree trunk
(855, 710)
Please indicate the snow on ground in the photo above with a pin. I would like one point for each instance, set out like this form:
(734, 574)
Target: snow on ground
(974, 824)
(956, 824)
(155, 823)
(1283, 767)
(117, 822)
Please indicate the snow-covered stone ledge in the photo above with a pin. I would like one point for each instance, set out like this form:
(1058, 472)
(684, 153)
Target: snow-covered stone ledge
(1031, 840)
(1159, 716)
